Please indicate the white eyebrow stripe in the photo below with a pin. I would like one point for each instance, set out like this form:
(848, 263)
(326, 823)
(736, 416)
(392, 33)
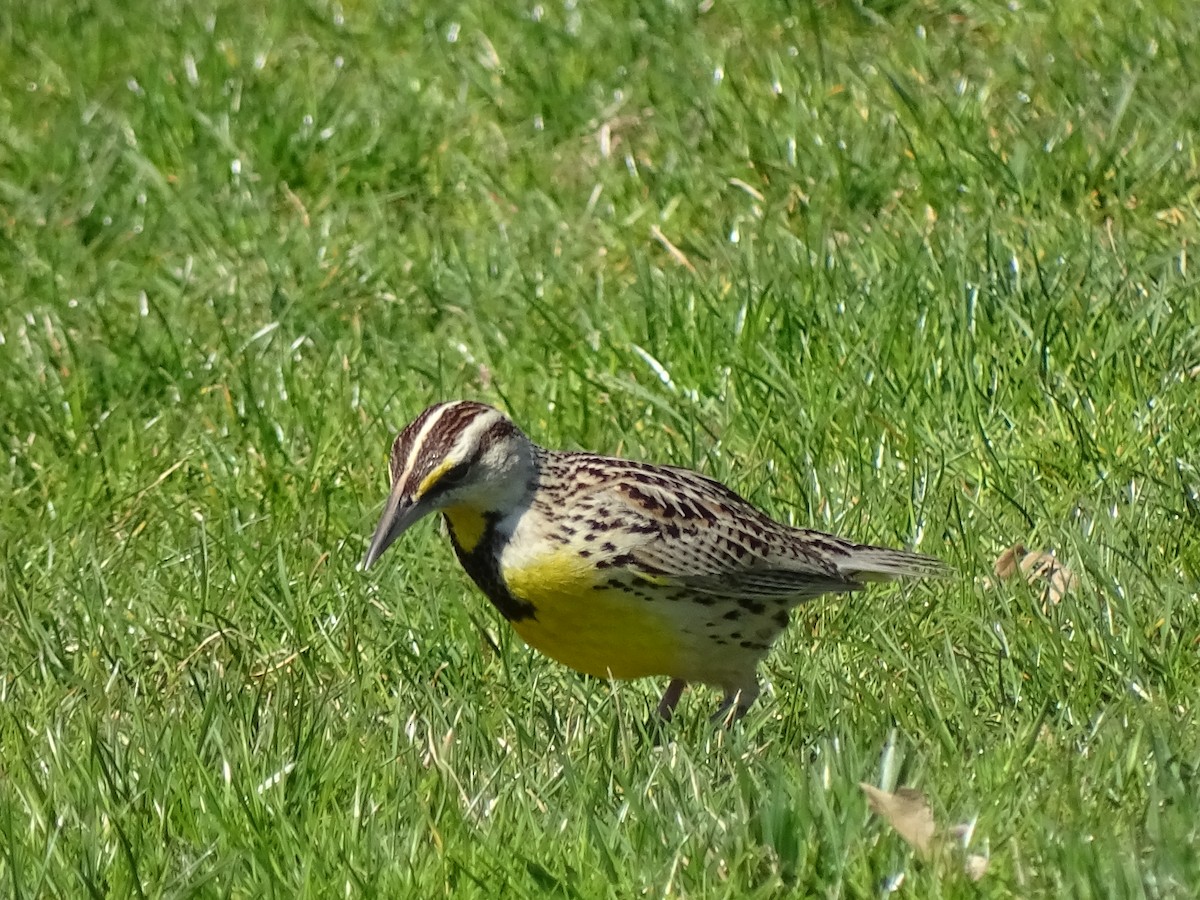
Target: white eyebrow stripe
(479, 425)
(419, 442)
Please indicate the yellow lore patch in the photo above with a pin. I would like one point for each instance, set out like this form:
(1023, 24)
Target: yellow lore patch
(604, 632)
(432, 478)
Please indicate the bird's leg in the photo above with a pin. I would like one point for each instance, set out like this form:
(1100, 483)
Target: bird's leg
(735, 704)
(670, 697)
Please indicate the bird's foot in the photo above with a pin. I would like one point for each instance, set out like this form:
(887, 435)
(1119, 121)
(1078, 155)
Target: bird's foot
(734, 705)
(670, 697)
(656, 725)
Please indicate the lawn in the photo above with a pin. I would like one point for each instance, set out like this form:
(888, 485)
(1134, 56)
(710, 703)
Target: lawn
(919, 273)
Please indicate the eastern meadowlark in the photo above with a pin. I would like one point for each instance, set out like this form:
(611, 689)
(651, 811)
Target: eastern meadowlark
(616, 568)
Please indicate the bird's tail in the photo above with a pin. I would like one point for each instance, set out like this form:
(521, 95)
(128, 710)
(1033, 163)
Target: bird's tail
(867, 563)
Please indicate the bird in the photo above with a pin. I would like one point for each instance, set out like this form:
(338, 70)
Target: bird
(616, 568)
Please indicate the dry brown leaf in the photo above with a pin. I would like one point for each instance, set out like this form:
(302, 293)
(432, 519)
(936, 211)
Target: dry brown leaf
(1008, 562)
(907, 811)
(1171, 216)
(976, 866)
(1037, 567)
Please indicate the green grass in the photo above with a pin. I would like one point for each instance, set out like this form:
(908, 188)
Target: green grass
(939, 290)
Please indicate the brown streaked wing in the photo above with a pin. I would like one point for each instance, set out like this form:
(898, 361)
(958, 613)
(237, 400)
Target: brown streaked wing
(699, 534)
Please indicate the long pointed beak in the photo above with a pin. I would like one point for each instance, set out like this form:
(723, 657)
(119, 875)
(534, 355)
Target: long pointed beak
(399, 513)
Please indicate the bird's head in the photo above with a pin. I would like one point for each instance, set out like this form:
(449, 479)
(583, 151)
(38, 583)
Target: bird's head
(458, 454)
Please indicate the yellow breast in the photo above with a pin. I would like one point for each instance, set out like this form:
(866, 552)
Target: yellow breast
(467, 524)
(606, 632)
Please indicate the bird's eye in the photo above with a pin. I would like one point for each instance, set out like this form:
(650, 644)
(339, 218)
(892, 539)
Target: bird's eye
(454, 475)
(448, 480)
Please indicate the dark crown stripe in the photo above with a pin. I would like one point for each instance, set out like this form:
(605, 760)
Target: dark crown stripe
(499, 430)
(402, 448)
(452, 423)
